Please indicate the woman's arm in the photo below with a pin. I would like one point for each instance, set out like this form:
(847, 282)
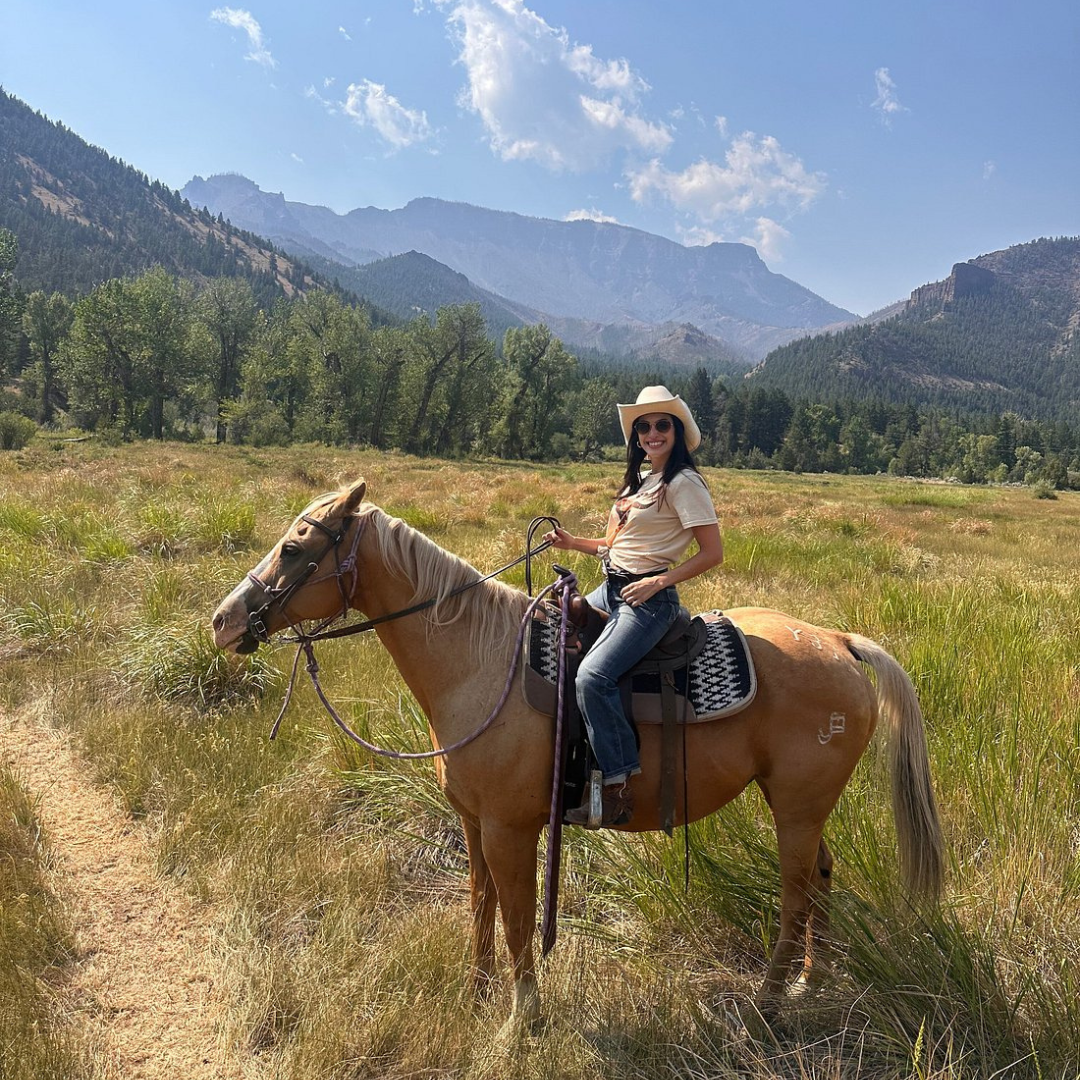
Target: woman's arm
(710, 553)
(566, 541)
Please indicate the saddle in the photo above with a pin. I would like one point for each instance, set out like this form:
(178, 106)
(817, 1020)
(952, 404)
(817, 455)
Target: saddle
(700, 670)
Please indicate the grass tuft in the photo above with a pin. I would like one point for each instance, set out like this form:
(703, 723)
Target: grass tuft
(182, 664)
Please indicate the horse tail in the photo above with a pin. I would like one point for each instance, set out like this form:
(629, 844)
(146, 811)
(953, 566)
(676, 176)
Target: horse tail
(914, 806)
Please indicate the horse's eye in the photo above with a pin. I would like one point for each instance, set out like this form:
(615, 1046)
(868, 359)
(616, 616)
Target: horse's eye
(290, 550)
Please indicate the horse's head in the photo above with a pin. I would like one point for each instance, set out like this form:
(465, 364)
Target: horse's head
(301, 579)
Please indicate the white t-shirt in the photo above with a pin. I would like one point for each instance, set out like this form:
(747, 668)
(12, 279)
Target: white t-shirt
(651, 529)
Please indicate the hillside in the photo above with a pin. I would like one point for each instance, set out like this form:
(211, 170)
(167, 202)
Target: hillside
(1002, 332)
(601, 273)
(82, 217)
(413, 284)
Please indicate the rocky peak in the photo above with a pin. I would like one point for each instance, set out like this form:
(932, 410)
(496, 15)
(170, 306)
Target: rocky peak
(966, 280)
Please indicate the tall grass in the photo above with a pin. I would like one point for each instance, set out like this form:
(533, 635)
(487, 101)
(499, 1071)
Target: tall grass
(346, 875)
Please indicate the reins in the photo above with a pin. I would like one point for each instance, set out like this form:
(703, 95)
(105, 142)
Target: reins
(305, 641)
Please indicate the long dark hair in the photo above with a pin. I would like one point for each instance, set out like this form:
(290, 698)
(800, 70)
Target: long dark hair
(678, 460)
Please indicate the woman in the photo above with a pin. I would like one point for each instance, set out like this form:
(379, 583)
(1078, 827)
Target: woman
(652, 523)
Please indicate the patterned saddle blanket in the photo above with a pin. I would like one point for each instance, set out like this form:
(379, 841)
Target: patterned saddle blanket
(721, 679)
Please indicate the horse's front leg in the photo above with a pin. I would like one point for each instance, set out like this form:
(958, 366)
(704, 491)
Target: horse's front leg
(510, 852)
(483, 901)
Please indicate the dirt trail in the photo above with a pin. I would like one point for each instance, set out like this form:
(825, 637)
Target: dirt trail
(147, 986)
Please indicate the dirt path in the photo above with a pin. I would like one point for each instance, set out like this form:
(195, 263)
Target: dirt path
(147, 986)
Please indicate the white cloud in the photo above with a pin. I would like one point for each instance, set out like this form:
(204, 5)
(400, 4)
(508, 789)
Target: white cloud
(544, 98)
(312, 94)
(699, 236)
(344, 33)
(239, 19)
(591, 214)
(297, 158)
(767, 237)
(757, 172)
(369, 104)
(887, 103)
(721, 125)
(989, 168)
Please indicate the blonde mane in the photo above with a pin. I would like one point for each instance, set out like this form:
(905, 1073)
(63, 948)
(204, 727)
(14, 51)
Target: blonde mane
(491, 609)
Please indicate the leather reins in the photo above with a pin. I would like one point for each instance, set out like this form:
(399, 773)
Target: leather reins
(563, 587)
(305, 640)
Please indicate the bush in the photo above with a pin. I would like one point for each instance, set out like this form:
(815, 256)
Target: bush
(16, 430)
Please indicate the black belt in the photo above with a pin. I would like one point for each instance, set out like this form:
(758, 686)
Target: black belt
(624, 577)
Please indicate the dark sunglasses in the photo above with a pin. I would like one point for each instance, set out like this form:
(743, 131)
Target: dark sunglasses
(643, 427)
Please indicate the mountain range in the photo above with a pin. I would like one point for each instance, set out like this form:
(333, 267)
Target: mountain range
(580, 277)
(1001, 332)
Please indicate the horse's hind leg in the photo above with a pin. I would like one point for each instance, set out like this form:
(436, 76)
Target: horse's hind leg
(798, 848)
(483, 901)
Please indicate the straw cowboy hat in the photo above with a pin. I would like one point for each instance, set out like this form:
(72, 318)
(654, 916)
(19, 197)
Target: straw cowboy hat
(654, 399)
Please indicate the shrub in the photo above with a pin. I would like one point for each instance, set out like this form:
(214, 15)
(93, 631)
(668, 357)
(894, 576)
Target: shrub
(184, 665)
(16, 430)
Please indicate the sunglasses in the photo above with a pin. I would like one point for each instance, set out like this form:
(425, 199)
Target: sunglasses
(643, 427)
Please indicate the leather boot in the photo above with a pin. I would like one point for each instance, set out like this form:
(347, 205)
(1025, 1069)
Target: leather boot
(617, 807)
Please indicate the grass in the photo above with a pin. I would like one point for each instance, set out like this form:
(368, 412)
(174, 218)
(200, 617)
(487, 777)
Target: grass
(346, 875)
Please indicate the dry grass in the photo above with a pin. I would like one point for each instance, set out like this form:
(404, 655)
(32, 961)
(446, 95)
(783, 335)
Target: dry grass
(346, 876)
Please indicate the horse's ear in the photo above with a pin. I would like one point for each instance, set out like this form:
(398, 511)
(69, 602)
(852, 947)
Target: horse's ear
(353, 497)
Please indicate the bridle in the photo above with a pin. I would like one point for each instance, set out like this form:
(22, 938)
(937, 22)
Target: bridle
(280, 597)
(562, 588)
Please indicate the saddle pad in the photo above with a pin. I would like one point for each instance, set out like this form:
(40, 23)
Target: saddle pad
(721, 680)
(722, 677)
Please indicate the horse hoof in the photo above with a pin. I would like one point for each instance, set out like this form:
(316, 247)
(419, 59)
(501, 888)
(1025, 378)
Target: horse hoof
(516, 1032)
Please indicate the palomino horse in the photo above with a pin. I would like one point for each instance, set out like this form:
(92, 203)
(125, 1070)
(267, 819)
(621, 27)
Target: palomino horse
(799, 739)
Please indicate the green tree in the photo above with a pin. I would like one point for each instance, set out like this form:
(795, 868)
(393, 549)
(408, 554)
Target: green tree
(10, 305)
(447, 363)
(98, 361)
(389, 351)
(129, 353)
(227, 311)
(538, 372)
(166, 362)
(46, 323)
(329, 342)
(699, 396)
(593, 412)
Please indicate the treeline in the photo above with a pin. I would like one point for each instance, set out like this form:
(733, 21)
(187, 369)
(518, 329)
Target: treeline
(154, 356)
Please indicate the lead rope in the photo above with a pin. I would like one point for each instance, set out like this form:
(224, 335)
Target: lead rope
(307, 646)
(566, 586)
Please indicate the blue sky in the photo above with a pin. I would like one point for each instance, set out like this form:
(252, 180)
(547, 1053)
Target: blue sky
(863, 148)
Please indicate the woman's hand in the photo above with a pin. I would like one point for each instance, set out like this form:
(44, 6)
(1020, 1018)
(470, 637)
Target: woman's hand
(561, 539)
(637, 592)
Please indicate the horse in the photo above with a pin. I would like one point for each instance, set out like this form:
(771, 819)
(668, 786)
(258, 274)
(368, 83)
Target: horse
(799, 739)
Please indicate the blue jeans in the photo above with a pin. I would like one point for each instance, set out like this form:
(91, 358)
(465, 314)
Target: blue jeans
(629, 634)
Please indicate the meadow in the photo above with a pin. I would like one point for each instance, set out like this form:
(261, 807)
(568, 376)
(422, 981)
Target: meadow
(343, 878)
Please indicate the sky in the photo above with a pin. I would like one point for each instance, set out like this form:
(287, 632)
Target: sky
(863, 148)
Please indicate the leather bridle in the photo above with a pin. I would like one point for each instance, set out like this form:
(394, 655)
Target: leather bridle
(279, 597)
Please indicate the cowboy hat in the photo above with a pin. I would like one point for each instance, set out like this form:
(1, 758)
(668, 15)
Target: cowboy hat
(659, 399)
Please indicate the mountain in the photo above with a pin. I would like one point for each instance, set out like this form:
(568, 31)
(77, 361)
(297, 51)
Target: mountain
(82, 217)
(413, 284)
(598, 272)
(1001, 332)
